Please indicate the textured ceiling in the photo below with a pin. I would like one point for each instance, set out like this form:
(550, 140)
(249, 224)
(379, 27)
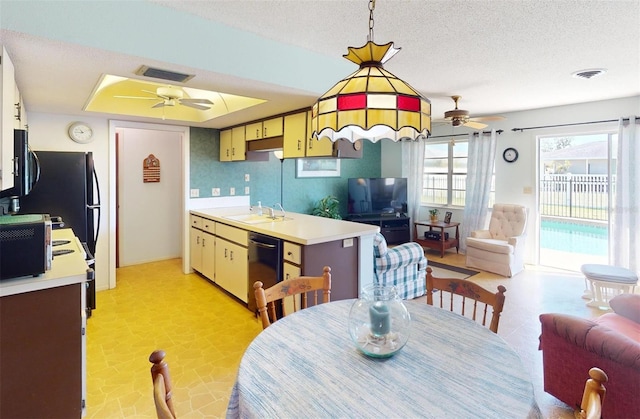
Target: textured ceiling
(500, 56)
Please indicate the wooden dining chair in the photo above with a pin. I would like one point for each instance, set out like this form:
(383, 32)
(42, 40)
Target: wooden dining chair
(467, 290)
(593, 396)
(267, 301)
(161, 386)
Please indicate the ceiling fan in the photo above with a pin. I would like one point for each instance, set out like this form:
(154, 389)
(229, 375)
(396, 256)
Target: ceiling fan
(458, 117)
(170, 96)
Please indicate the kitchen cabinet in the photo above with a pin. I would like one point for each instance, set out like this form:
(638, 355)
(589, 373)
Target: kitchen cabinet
(292, 259)
(264, 129)
(202, 249)
(317, 148)
(298, 141)
(232, 261)
(291, 269)
(7, 112)
(232, 144)
(295, 135)
(19, 111)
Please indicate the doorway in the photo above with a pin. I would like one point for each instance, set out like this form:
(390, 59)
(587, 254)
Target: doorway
(163, 214)
(574, 195)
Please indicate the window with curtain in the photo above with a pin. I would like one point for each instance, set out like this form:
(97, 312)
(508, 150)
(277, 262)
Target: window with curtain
(445, 173)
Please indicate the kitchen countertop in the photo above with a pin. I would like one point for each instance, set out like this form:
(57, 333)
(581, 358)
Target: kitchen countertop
(298, 228)
(66, 269)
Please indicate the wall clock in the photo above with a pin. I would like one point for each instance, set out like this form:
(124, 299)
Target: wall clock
(80, 132)
(510, 155)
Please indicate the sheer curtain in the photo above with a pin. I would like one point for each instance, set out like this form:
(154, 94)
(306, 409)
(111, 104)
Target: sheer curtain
(480, 162)
(625, 220)
(413, 161)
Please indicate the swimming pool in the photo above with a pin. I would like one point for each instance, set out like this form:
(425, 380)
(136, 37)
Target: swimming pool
(569, 236)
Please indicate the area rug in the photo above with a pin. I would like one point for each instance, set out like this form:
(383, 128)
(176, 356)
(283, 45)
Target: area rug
(442, 270)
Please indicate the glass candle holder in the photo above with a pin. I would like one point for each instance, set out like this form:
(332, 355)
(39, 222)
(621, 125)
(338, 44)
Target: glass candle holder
(379, 322)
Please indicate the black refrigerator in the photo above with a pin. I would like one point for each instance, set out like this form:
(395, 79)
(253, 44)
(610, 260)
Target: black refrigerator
(68, 188)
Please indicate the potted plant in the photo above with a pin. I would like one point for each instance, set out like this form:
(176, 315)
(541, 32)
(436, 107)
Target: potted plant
(433, 213)
(328, 207)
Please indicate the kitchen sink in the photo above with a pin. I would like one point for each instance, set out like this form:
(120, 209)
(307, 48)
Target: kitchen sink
(255, 218)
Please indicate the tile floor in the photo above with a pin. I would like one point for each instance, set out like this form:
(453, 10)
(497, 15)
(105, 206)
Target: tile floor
(204, 333)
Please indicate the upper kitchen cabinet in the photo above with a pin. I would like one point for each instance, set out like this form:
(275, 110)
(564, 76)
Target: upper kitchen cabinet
(20, 112)
(265, 129)
(232, 144)
(295, 135)
(298, 141)
(7, 112)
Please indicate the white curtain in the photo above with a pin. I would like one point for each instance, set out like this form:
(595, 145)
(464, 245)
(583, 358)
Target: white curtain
(413, 162)
(625, 220)
(480, 162)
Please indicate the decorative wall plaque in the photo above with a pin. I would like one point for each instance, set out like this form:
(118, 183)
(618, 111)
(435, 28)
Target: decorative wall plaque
(151, 169)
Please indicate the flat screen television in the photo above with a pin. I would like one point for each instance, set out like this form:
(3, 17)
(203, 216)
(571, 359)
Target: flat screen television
(376, 196)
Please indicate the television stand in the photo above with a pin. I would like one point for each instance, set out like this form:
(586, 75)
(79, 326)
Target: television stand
(396, 230)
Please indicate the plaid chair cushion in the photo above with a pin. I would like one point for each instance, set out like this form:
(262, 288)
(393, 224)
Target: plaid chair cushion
(402, 266)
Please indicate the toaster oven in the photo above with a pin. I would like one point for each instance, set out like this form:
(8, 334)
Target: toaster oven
(25, 245)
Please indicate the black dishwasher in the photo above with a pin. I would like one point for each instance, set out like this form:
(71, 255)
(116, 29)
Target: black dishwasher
(265, 263)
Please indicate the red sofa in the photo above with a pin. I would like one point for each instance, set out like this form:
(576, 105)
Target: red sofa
(572, 345)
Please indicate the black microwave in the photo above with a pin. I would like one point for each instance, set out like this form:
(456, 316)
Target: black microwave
(25, 169)
(25, 245)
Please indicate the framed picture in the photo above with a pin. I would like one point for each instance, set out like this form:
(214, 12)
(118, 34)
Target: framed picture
(318, 168)
(447, 217)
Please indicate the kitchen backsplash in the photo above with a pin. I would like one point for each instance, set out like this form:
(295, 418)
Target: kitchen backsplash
(299, 195)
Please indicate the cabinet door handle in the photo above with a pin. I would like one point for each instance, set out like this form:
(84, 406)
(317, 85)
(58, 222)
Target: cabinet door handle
(231, 255)
(257, 133)
(197, 239)
(287, 276)
(265, 131)
(299, 145)
(203, 242)
(233, 151)
(225, 252)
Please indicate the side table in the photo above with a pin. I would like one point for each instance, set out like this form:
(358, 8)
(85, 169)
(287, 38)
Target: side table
(442, 244)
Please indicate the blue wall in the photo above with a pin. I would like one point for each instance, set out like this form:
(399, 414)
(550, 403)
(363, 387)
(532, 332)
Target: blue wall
(300, 194)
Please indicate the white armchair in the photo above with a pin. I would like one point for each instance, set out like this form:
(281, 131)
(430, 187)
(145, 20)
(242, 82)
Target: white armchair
(500, 249)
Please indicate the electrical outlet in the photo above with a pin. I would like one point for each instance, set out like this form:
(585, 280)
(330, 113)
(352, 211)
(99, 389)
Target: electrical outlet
(247, 178)
(347, 242)
(232, 191)
(195, 193)
(246, 190)
(215, 192)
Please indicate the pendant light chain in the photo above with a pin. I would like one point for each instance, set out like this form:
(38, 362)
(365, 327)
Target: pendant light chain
(372, 6)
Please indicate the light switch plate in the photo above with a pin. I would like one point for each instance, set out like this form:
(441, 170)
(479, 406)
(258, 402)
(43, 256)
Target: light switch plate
(195, 193)
(246, 190)
(247, 178)
(232, 191)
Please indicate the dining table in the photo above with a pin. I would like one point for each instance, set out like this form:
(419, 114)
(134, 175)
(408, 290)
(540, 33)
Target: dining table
(306, 365)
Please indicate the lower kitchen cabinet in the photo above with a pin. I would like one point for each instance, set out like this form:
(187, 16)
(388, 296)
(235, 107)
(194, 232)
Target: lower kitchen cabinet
(42, 353)
(232, 273)
(202, 248)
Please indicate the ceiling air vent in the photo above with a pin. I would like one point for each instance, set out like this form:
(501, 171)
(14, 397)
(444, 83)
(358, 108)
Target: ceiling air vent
(158, 73)
(590, 73)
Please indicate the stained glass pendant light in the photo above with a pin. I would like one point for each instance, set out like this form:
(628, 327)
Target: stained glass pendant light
(371, 103)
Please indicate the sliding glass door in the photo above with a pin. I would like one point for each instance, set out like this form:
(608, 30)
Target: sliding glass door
(574, 194)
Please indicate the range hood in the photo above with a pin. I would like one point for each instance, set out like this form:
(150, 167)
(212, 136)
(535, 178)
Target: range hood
(342, 149)
(266, 144)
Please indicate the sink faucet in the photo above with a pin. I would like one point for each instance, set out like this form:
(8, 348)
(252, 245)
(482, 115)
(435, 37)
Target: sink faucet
(281, 208)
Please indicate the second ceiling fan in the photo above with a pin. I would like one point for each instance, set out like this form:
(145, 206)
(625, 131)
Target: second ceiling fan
(460, 117)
